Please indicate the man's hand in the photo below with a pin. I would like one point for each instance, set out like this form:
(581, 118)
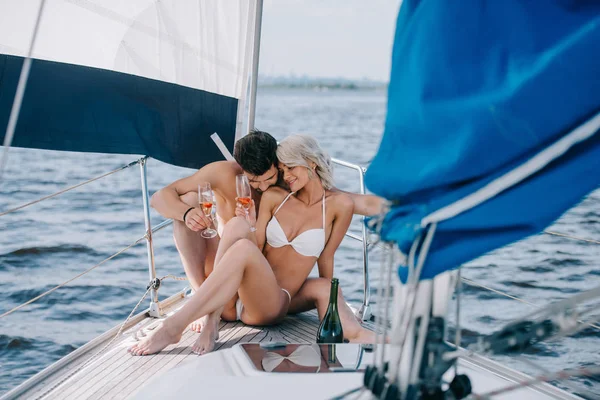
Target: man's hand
(196, 221)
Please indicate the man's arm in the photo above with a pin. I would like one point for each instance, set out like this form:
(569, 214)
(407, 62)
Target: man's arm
(167, 201)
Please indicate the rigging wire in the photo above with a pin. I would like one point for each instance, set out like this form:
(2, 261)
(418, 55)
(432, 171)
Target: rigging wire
(473, 283)
(571, 386)
(80, 275)
(381, 322)
(67, 281)
(461, 279)
(16, 107)
(93, 357)
(555, 376)
(72, 187)
(413, 279)
(386, 296)
(107, 345)
(457, 333)
(386, 305)
(569, 302)
(380, 301)
(552, 309)
(348, 393)
(575, 329)
(546, 312)
(572, 237)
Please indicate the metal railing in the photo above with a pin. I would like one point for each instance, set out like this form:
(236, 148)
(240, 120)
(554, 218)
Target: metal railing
(154, 308)
(365, 310)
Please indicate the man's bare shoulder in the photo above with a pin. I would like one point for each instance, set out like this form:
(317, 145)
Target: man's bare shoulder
(220, 174)
(223, 167)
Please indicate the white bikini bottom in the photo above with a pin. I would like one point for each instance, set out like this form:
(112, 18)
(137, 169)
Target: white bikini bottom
(220, 223)
(239, 307)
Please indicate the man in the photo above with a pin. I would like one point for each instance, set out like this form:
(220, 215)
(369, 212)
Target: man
(256, 157)
(256, 153)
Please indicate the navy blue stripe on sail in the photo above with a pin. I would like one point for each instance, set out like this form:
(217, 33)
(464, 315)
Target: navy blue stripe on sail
(76, 108)
(477, 89)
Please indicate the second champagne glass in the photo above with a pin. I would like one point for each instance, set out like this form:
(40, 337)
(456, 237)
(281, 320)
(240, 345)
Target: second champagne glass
(244, 196)
(205, 198)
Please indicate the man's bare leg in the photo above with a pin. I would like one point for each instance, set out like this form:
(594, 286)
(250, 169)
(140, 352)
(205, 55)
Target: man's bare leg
(197, 253)
(314, 293)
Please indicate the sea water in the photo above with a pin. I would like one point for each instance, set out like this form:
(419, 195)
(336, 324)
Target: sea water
(50, 242)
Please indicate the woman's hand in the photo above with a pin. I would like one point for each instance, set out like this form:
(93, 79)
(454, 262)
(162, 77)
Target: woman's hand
(248, 212)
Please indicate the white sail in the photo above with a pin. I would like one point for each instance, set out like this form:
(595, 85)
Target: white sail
(199, 44)
(206, 46)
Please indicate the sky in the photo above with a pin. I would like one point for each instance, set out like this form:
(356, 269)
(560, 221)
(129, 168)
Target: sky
(328, 38)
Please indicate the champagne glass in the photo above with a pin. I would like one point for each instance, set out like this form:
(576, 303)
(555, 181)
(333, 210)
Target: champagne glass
(205, 198)
(244, 196)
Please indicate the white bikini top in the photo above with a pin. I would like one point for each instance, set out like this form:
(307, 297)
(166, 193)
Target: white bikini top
(308, 243)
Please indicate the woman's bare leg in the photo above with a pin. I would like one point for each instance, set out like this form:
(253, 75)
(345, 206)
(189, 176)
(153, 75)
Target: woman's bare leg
(243, 268)
(236, 229)
(315, 293)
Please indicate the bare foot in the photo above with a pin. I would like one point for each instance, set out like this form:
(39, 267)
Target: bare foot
(156, 342)
(364, 336)
(198, 324)
(209, 335)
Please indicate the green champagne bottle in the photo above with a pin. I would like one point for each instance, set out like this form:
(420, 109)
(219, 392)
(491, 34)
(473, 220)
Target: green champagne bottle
(330, 330)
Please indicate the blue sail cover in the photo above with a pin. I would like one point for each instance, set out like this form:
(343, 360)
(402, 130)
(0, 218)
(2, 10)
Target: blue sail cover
(477, 89)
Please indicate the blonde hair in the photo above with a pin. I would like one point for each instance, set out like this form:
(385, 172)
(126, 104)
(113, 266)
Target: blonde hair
(301, 150)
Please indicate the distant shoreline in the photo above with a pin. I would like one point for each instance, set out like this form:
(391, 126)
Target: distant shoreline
(323, 84)
(324, 87)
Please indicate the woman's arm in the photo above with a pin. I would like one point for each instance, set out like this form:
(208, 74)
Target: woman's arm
(364, 204)
(341, 221)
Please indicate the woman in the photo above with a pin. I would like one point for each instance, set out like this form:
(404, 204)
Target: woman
(261, 265)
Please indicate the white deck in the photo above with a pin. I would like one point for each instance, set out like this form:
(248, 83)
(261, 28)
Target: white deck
(115, 374)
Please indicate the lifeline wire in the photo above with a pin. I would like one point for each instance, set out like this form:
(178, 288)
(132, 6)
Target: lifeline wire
(107, 345)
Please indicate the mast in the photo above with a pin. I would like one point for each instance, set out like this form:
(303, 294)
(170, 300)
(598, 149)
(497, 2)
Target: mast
(255, 59)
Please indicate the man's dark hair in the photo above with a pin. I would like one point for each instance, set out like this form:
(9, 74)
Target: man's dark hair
(256, 152)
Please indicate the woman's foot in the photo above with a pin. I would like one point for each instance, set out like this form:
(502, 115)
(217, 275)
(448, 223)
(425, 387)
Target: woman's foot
(363, 336)
(156, 342)
(209, 335)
